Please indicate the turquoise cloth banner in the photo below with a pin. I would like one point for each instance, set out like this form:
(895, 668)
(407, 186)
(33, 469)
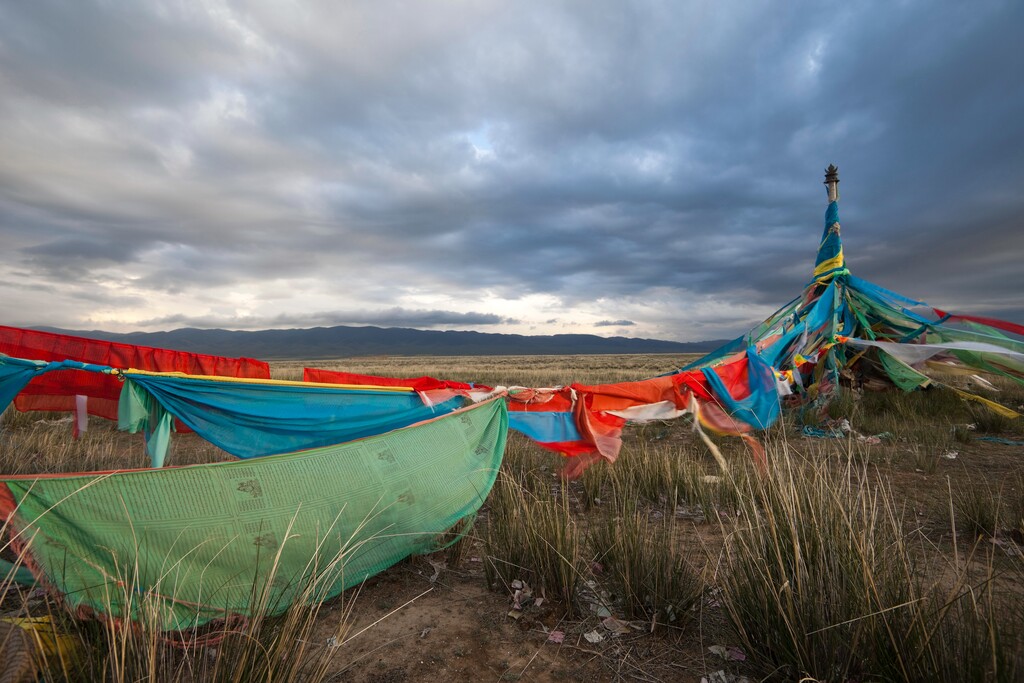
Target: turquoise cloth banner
(761, 408)
(253, 419)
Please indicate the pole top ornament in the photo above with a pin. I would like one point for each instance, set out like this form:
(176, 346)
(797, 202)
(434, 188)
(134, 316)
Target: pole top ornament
(831, 174)
(832, 182)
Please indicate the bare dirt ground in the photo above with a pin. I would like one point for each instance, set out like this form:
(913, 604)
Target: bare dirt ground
(455, 629)
(429, 621)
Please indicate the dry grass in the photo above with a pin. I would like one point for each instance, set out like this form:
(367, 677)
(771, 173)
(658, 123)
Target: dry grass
(526, 371)
(850, 561)
(821, 581)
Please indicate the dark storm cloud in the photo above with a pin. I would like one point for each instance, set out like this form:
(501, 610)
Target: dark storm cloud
(394, 317)
(77, 255)
(598, 152)
(111, 54)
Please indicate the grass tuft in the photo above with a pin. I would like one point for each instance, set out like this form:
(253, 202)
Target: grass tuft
(648, 574)
(977, 509)
(820, 583)
(532, 536)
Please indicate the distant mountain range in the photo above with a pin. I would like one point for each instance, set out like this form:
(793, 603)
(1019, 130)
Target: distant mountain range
(344, 341)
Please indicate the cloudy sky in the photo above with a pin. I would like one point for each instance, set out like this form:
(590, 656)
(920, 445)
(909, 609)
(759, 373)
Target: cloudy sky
(649, 169)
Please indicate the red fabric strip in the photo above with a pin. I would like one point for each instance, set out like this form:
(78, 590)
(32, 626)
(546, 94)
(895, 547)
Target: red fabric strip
(991, 322)
(55, 391)
(416, 383)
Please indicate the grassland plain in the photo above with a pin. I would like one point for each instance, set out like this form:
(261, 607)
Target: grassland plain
(892, 553)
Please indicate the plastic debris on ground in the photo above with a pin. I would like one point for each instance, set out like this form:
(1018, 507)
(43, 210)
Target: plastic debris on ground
(829, 429)
(723, 677)
(616, 626)
(522, 596)
(731, 653)
(1008, 547)
(874, 439)
(597, 599)
(1000, 440)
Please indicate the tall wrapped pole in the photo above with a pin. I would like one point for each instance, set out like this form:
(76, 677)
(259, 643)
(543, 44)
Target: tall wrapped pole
(830, 261)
